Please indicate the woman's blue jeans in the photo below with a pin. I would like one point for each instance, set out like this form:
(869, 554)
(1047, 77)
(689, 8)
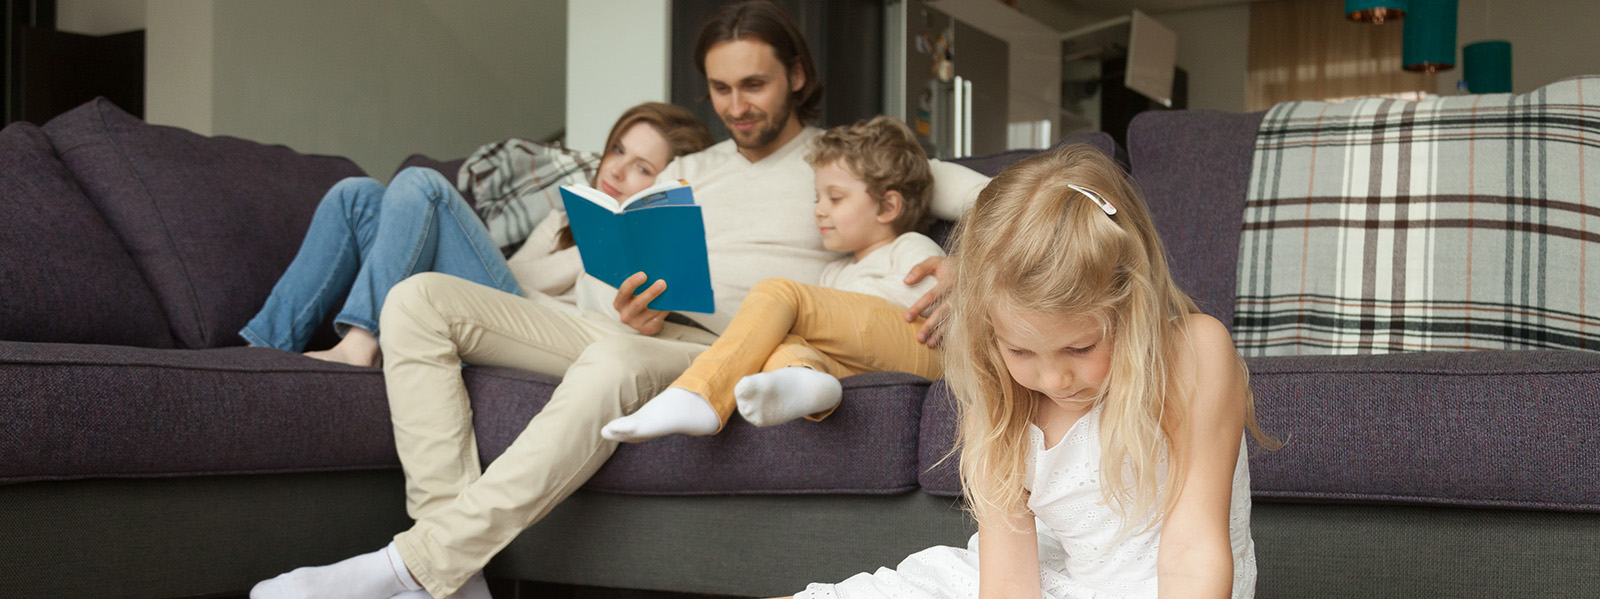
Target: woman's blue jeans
(363, 240)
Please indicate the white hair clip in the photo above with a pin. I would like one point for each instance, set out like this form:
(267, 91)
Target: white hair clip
(1098, 199)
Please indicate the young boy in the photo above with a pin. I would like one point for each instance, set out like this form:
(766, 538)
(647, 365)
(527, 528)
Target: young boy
(783, 354)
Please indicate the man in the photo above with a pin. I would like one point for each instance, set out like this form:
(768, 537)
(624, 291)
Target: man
(755, 193)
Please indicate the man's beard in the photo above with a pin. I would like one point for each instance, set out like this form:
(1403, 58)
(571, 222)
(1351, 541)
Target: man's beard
(765, 133)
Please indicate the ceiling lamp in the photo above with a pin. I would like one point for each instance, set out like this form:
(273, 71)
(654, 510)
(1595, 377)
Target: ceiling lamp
(1430, 36)
(1374, 11)
(1486, 67)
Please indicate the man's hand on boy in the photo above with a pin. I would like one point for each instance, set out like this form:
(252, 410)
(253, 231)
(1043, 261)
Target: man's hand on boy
(635, 308)
(931, 303)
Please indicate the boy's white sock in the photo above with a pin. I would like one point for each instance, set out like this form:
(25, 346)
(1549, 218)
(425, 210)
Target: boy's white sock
(377, 575)
(776, 397)
(475, 588)
(673, 411)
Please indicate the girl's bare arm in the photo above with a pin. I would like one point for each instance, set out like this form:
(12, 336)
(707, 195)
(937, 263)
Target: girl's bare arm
(1195, 558)
(1008, 560)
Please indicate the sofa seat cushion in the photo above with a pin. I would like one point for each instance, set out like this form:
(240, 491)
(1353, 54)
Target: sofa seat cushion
(88, 411)
(867, 446)
(65, 275)
(97, 411)
(211, 221)
(1486, 429)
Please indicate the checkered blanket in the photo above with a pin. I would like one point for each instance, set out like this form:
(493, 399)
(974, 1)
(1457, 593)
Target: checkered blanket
(515, 184)
(1456, 223)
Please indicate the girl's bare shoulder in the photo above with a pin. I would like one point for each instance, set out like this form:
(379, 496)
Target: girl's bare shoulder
(1205, 333)
(1206, 359)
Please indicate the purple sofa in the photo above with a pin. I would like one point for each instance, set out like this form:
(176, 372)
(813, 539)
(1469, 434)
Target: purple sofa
(145, 453)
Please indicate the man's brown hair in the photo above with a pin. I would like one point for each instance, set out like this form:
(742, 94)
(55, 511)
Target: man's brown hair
(884, 154)
(762, 20)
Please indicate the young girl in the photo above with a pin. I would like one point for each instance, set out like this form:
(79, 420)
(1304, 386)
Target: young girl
(794, 341)
(364, 238)
(1101, 414)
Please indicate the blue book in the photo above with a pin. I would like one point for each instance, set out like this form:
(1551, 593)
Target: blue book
(658, 231)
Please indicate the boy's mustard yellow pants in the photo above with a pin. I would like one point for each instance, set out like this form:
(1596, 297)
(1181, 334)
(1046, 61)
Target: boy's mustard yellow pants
(782, 323)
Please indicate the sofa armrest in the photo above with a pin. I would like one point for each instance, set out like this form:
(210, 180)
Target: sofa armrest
(1487, 428)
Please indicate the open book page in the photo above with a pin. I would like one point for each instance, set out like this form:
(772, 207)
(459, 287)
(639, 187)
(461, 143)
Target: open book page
(676, 192)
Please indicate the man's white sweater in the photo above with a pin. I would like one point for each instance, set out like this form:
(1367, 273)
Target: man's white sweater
(759, 221)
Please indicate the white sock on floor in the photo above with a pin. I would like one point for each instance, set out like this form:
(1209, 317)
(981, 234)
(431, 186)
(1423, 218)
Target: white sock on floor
(673, 411)
(776, 397)
(474, 588)
(377, 575)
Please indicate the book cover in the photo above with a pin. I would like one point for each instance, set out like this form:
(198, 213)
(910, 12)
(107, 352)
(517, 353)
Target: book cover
(658, 231)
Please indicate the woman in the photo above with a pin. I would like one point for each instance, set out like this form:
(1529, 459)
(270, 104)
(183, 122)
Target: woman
(365, 238)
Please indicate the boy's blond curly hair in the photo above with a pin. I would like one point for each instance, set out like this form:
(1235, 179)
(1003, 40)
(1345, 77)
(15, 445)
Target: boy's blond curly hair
(882, 153)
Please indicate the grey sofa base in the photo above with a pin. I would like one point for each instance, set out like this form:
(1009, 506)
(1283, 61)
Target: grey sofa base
(1313, 551)
(748, 545)
(217, 535)
(188, 536)
(773, 545)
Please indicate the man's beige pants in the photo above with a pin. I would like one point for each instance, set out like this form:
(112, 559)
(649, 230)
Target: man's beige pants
(431, 324)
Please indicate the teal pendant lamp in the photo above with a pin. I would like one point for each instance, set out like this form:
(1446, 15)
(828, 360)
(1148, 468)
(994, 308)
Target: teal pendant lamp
(1374, 11)
(1430, 36)
(1486, 67)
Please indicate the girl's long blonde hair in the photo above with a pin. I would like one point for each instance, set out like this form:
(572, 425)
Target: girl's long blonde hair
(1033, 245)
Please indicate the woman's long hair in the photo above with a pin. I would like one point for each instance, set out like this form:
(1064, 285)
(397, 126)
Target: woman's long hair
(1033, 245)
(684, 134)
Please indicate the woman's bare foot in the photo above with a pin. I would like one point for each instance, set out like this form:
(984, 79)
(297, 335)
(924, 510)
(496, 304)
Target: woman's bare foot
(358, 348)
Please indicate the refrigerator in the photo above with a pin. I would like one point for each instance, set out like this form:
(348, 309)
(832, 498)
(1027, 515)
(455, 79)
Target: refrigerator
(946, 79)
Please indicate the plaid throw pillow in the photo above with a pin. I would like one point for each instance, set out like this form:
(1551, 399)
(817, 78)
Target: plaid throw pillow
(515, 184)
(1457, 223)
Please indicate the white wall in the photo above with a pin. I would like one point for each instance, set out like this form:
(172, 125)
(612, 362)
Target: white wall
(1550, 39)
(178, 79)
(1066, 15)
(99, 17)
(1213, 48)
(372, 80)
(618, 55)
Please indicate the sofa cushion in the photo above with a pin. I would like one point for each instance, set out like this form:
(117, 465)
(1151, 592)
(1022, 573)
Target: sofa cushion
(211, 221)
(939, 471)
(91, 411)
(1193, 167)
(1487, 429)
(868, 446)
(66, 276)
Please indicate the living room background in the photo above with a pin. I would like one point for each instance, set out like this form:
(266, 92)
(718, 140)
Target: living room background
(340, 76)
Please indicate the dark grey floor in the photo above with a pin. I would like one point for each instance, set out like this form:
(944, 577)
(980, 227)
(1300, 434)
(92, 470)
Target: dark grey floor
(511, 589)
